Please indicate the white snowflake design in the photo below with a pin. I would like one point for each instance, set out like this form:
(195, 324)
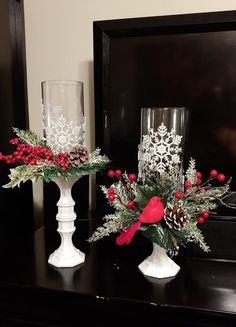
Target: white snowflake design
(159, 151)
(63, 135)
(54, 110)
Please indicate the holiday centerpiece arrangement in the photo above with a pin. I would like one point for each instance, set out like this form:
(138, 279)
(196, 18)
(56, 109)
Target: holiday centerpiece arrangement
(164, 203)
(33, 159)
(60, 156)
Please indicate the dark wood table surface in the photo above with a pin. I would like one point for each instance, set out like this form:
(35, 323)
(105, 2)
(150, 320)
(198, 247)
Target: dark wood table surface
(108, 289)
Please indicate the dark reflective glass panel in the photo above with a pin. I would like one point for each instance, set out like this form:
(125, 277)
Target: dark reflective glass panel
(193, 70)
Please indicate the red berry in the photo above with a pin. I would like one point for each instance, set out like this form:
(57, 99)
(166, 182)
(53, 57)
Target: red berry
(26, 160)
(111, 197)
(33, 162)
(200, 220)
(205, 214)
(111, 191)
(221, 177)
(199, 181)
(132, 177)
(118, 173)
(187, 184)
(111, 173)
(213, 173)
(178, 195)
(130, 204)
(198, 174)
(14, 141)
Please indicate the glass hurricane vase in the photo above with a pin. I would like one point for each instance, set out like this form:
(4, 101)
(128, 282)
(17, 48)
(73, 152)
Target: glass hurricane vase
(64, 128)
(161, 153)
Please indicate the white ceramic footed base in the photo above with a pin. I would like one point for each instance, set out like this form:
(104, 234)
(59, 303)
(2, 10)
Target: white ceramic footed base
(158, 264)
(66, 255)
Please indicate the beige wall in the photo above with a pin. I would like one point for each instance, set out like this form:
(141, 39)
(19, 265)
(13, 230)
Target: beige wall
(59, 41)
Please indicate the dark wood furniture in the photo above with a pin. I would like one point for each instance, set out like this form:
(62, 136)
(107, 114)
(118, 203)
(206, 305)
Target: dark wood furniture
(13, 111)
(109, 290)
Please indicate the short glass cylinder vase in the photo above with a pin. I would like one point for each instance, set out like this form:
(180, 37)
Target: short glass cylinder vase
(162, 136)
(64, 128)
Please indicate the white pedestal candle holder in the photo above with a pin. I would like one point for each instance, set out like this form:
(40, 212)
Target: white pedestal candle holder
(67, 255)
(159, 264)
(64, 129)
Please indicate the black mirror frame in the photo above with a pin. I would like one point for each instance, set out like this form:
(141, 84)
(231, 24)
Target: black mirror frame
(105, 31)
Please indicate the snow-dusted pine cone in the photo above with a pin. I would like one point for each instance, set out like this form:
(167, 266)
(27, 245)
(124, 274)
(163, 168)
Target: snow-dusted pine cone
(78, 156)
(175, 217)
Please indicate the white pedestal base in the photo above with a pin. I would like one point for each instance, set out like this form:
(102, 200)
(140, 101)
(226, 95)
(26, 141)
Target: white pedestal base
(69, 258)
(66, 255)
(158, 264)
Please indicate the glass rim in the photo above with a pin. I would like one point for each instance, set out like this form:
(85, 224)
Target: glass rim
(162, 108)
(61, 82)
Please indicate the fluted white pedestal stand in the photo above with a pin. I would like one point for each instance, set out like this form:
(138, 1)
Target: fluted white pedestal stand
(67, 255)
(158, 264)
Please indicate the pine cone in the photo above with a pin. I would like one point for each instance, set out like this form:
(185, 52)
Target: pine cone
(175, 217)
(78, 156)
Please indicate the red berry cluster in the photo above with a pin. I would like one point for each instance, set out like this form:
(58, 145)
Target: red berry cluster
(213, 175)
(202, 217)
(62, 160)
(33, 155)
(111, 194)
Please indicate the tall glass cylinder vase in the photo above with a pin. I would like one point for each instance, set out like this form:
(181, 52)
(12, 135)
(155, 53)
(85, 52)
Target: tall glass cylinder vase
(161, 140)
(63, 114)
(64, 129)
(161, 158)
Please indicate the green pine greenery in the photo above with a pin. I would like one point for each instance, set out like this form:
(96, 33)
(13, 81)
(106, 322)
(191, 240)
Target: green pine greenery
(194, 202)
(46, 170)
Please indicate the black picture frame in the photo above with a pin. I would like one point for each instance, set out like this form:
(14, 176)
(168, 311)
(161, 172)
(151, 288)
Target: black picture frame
(108, 38)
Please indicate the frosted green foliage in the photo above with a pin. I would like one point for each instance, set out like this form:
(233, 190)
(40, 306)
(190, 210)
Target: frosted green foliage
(193, 201)
(191, 172)
(46, 169)
(195, 235)
(112, 225)
(29, 137)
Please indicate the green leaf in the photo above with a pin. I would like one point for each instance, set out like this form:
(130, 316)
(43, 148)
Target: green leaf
(157, 234)
(143, 193)
(20, 175)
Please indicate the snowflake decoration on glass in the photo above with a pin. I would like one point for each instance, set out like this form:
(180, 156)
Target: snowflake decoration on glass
(63, 136)
(55, 110)
(159, 151)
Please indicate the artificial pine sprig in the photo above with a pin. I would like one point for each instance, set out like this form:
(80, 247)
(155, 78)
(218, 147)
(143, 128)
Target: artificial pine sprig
(29, 137)
(35, 160)
(164, 211)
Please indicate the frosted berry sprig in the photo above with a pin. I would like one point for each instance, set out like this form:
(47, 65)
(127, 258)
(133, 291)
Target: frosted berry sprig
(27, 154)
(190, 190)
(34, 155)
(33, 159)
(111, 193)
(188, 185)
